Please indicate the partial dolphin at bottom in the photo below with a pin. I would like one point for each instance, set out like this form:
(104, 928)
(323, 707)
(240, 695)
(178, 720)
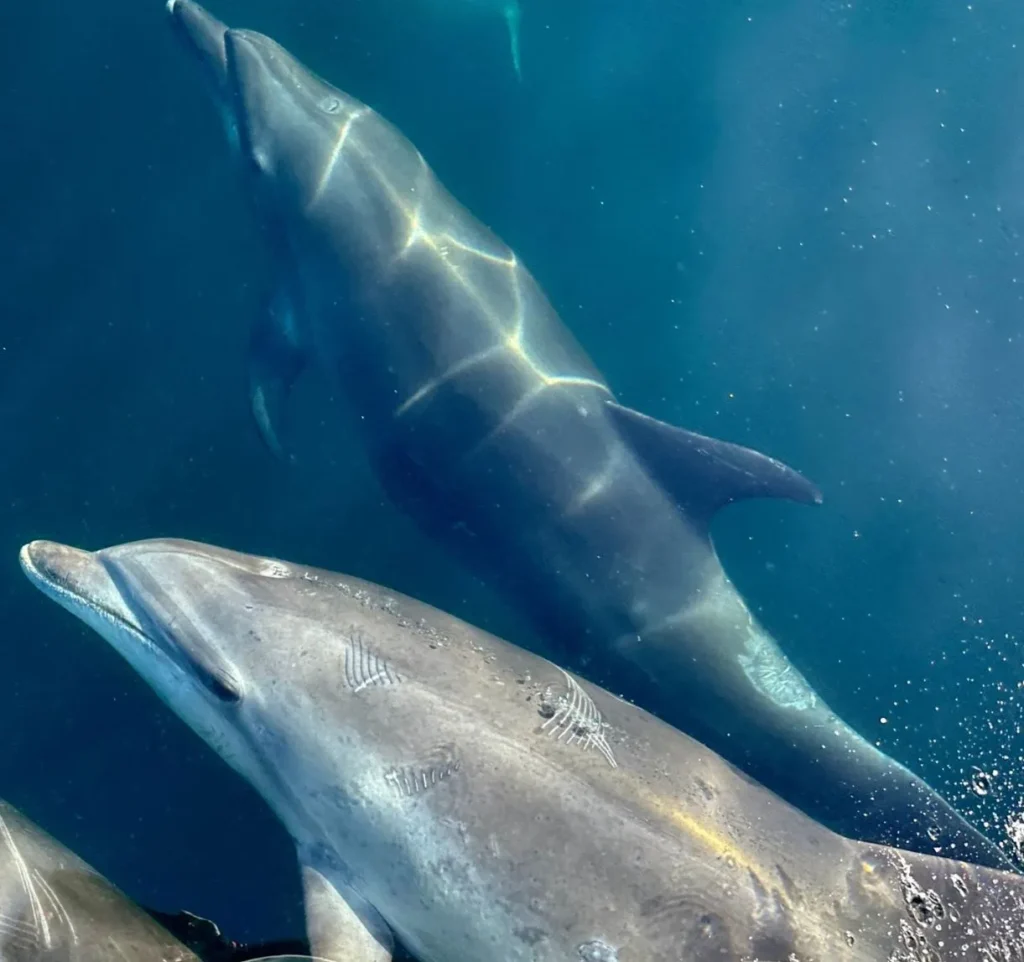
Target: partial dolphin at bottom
(480, 802)
(56, 908)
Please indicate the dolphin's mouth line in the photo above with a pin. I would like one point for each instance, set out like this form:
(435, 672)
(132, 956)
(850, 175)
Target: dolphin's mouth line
(53, 586)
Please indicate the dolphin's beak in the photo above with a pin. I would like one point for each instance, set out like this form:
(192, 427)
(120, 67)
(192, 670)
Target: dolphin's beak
(204, 36)
(59, 565)
(78, 581)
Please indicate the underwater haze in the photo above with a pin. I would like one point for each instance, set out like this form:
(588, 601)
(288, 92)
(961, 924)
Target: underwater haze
(794, 226)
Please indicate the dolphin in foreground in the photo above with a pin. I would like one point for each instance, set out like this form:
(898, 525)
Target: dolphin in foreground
(487, 424)
(56, 908)
(479, 802)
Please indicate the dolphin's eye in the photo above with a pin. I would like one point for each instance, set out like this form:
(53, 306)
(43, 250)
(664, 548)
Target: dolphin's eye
(330, 105)
(223, 687)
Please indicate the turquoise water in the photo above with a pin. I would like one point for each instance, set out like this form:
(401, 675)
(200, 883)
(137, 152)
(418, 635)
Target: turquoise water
(797, 228)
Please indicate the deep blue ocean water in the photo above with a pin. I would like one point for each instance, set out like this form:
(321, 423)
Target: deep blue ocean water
(793, 225)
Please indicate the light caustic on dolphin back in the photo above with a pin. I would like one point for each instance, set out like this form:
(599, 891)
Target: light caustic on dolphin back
(488, 424)
(442, 810)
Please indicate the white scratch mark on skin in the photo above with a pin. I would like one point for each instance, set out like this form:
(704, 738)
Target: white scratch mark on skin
(40, 924)
(17, 932)
(413, 780)
(364, 668)
(57, 904)
(577, 720)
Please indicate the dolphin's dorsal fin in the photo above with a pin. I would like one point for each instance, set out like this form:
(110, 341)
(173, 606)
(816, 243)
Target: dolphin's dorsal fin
(276, 358)
(704, 474)
(341, 924)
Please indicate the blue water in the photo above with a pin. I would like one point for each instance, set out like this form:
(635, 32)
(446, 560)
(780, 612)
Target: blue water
(796, 226)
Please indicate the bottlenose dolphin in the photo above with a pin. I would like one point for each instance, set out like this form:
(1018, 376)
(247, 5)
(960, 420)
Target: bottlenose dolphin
(487, 423)
(482, 803)
(56, 908)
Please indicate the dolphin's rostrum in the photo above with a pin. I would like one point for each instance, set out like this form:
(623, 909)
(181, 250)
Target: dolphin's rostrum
(488, 424)
(440, 809)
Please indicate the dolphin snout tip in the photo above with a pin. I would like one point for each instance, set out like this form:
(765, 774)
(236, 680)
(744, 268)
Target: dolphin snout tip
(194, 17)
(32, 553)
(203, 34)
(178, 8)
(25, 556)
(48, 560)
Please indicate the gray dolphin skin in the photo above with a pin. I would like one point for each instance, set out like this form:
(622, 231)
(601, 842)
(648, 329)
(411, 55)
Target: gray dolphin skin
(487, 423)
(481, 803)
(56, 908)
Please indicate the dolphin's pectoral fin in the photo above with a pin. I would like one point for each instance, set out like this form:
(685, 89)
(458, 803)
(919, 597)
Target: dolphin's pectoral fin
(704, 474)
(340, 924)
(276, 358)
(513, 14)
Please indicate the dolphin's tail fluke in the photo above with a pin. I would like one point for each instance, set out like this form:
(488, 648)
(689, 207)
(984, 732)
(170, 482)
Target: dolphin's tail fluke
(513, 14)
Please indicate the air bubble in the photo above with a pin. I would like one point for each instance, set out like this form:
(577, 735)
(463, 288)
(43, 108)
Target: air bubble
(981, 782)
(1015, 833)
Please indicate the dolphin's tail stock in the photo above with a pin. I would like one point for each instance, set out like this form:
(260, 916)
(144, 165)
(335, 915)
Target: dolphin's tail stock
(862, 793)
(919, 815)
(842, 780)
(513, 14)
(791, 741)
(786, 736)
